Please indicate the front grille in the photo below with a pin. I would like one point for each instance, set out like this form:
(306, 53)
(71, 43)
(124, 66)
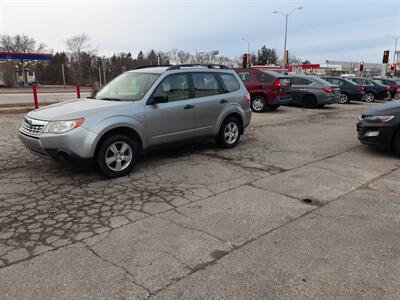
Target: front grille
(32, 126)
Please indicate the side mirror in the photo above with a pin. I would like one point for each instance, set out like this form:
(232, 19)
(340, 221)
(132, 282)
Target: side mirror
(159, 97)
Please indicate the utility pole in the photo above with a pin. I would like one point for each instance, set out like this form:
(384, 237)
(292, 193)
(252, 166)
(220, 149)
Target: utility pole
(99, 75)
(63, 73)
(104, 73)
(286, 26)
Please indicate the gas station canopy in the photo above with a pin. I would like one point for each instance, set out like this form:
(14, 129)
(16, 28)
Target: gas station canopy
(25, 56)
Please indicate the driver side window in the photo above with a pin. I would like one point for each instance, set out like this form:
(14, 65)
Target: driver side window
(176, 87)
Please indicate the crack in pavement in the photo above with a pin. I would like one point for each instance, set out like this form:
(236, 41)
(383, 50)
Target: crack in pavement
(125, 270)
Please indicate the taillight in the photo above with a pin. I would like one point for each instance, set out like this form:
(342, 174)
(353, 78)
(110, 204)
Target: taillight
(247, 97)
(360, 90)
(387, 88)
(328, 90)
(277, 84)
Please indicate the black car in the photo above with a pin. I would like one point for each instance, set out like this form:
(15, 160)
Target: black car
(380, 126)
(373, 90)
(390, 82)
(349, 90)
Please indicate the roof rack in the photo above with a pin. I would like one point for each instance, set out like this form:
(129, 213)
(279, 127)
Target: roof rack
(210, 66)
(150, 66)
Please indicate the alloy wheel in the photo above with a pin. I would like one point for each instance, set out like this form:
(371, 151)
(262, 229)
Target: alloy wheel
(258, 104)
(231, 133)
(119, 156)
(343, 99)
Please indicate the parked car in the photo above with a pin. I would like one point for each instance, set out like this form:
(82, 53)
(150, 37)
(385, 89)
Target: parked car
(268, 90)
(394, 86)
(349, 90)
(373, 90)
(379, 126)
(138, 110)
(312, 91)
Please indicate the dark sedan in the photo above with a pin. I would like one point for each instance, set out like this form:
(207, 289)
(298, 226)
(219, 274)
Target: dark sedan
(394, 86)
(349, 90)
(380, 126)
(373, 90)
(312, 92)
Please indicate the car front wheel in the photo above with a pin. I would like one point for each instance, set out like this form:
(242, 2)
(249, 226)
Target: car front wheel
(369, 97)
(344, 99)
(117, 155)
(229, 133)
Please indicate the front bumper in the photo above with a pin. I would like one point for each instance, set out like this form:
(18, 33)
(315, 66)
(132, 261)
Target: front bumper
(375, 135)
(70, 146)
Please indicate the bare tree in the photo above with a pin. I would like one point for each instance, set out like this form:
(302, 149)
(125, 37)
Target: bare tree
(76, 45)
(20, 43)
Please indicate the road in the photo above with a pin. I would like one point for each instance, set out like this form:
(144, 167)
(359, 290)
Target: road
(299, 210)
(13, 98)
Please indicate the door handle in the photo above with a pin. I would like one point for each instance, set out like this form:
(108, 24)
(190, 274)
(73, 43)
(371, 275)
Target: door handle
(223, 101)
(188, 106)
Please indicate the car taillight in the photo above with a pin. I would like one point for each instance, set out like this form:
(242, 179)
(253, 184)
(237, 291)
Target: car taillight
(277, 84)
(360, 90)
(328, 90)
(247, 97)
(387, 88)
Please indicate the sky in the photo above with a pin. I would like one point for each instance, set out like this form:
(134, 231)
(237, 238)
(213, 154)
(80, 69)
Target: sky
(352, 30)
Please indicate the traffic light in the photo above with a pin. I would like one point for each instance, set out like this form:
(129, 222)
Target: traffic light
(286, 58)
(245, 61)
(361, 66)
(392, 67)
(385, 59)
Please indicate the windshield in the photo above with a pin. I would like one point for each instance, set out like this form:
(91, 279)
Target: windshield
(127, 87)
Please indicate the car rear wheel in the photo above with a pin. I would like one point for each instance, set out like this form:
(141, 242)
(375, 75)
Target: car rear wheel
(117, 155)
(229, 133)
(258, 104)
(369, 97)
(344, 98)
(309, 101)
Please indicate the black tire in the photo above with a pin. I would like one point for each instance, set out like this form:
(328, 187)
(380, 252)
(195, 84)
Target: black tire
(222, 140)
(369, 97)
(273, 107)
(309, 101)
(258, 104)
(344, 98)
(396, 143)
(104, 152)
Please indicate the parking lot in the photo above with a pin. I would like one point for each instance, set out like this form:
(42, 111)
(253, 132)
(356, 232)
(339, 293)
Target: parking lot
(299, 210)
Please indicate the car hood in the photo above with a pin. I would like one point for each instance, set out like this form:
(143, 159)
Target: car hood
(77, 108)
(391, 108)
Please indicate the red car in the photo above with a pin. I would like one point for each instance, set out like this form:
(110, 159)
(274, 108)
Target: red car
(268, 89)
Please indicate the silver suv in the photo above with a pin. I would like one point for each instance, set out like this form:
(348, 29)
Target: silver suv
(138, 110)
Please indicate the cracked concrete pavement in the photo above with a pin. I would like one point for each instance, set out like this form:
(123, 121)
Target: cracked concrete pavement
(197, 222)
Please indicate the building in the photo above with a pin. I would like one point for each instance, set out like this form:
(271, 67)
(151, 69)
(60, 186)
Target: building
(335, 67)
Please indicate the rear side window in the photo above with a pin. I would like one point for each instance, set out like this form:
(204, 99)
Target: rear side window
(175, 86)
(300, 81)
(205, 84)
(263, 77)
(230, 82)
(245, 76)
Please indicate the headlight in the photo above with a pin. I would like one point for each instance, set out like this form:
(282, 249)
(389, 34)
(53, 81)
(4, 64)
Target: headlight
(63, 126)
(378, 119)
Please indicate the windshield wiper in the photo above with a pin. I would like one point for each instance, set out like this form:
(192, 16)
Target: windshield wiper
(109, 99)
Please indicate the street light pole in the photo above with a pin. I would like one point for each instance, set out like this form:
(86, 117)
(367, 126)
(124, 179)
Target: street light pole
(286, 25)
